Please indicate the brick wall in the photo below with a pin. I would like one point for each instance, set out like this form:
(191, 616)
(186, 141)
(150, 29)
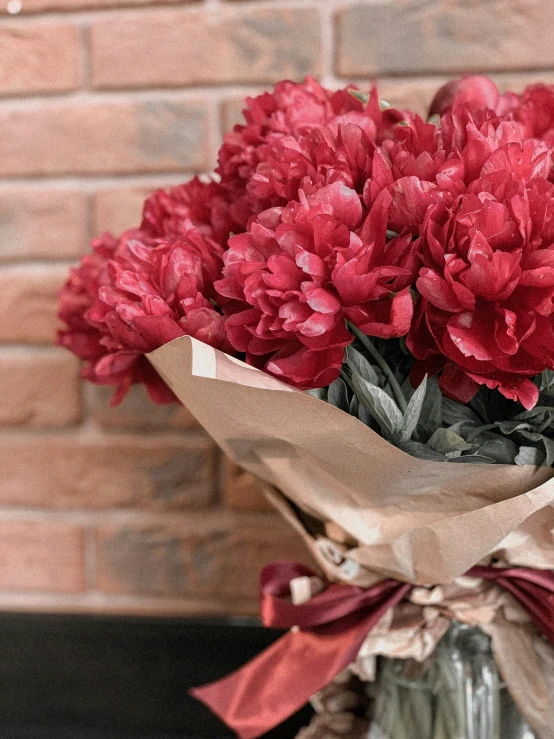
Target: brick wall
(133, 509)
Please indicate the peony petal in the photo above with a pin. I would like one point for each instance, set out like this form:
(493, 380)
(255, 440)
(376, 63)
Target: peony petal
(456, 384)
(437, 291)
(342, 202)
(322, 300)
(472, 335)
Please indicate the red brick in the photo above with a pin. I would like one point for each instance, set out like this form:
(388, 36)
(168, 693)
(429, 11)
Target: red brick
(186, 48)
(240, 490)
(157, 134)
(399, 37)
(516, 82)
(45, 556)
(29, 303)
(216, 555)
(45, 224)
(411, 93)
(116, 209)
(40, 6)
(232, 107)
(109, 471)
(39, 388)
(137, 411)
(231, 112)
(39, 57)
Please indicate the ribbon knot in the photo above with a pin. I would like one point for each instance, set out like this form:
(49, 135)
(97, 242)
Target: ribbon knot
(331, 628)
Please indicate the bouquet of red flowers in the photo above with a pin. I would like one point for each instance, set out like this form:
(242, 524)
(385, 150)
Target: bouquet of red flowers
(402, 271)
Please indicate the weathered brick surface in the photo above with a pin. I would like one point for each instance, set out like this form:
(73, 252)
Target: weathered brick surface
(136, 411)
(192, 49)
(43, 556)
(39, 388)
(39, 57)
(208, 555)
(157, 134)
(232, 107)
(42, 224)
(157, 473)
(40, 6)
(411, 37)
(29, 303)
(100, 104)
(117, 208)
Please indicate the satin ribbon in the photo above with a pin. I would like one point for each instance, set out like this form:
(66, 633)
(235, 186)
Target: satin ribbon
(328, 632)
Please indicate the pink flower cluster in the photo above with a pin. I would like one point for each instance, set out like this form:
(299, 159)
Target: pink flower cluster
(332, 209)
(153, 284)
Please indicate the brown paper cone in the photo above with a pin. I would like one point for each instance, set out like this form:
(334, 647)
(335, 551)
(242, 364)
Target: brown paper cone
(415, 520)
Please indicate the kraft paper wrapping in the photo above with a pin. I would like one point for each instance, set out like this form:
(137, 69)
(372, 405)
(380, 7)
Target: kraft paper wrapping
(368, 510)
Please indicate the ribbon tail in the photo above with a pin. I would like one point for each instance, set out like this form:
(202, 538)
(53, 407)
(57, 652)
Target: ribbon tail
(279, 681)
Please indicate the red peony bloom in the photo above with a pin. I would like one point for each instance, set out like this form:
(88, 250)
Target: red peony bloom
(425, 164)
(133, 294)
(78, 295)
(533, 109)
(155, 292)
(292, 112)
(168, 214)
(536, 112)
(486, 311)
(472, 94)
(342, 207)
(301, 271)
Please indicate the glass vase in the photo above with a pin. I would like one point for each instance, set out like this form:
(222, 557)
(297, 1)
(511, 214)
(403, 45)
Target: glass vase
(456, 694)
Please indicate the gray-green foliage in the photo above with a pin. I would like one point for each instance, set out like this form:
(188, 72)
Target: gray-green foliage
(490, 429)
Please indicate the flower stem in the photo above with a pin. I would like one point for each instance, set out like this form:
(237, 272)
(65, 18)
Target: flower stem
(346, 379)
(389, 374)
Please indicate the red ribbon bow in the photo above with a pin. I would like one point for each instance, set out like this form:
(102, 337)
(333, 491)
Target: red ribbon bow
(331, 629)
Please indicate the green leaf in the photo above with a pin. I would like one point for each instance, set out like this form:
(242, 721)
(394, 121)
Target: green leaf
(509, 427)
(547, 443)
(383, 104)
(529, 455)
(319, 392)
(502, 450)
(546, 382)
(452, 412)
(472, 459)
(337, 395)
(446, 440)
(363, 97)
(380, 405)
(540, 415)
(365, 416)
(413, 411)
(421, 451)
(430, 418)
(361, 366)
(549, 448)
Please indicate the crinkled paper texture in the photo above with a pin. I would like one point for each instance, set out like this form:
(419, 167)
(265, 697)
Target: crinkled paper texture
(414, 520)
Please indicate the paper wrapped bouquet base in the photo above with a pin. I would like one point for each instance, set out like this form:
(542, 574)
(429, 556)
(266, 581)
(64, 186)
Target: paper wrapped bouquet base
(369, 511)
